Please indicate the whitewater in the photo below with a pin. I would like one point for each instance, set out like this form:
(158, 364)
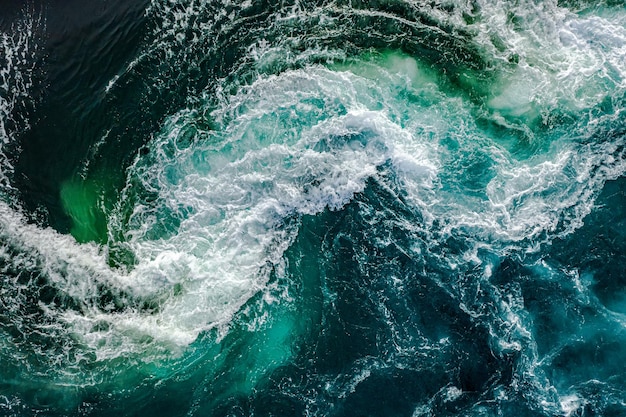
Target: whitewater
(313, 208)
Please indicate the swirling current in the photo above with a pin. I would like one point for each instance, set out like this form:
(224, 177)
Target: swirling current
(313, 207)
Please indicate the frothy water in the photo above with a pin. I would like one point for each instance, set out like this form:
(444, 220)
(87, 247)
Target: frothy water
(19, 49)
(340, 202)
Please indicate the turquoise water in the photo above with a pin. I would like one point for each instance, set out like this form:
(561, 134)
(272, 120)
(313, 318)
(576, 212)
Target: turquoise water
(313, 208)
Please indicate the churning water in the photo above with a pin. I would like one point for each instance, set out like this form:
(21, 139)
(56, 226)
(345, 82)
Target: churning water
(324, 208)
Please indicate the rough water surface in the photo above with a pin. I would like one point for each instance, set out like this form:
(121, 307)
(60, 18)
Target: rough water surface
(321, 208)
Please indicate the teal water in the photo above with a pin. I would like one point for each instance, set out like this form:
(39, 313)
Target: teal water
(338, 208)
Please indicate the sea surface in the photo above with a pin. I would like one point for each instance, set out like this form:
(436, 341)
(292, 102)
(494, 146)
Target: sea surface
(313, 208)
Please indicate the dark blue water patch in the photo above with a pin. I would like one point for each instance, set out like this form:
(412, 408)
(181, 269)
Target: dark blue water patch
(575, 300)
(598, 249)
(85, 47)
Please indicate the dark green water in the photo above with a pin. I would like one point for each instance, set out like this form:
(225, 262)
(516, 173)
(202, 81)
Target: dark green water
(335, 208)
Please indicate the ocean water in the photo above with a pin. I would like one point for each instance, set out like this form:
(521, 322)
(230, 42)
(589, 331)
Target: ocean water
(318, 208)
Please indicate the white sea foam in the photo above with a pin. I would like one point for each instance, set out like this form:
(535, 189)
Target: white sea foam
(570, 404)
(18, 49)
(207, 214)
(566, 62)
(297, 149)
(222, 210)
(291, 145)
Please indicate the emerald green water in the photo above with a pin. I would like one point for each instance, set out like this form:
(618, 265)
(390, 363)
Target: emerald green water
(312, 208)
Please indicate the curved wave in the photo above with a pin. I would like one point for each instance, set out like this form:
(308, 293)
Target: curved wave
(311, 206)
